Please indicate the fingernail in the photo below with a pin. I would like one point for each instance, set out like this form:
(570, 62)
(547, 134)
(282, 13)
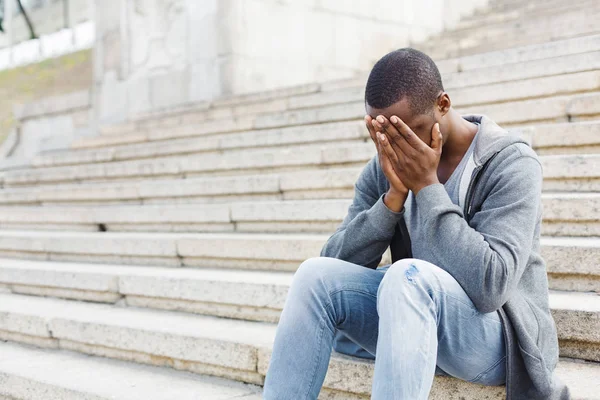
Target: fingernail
(394, 119)
(380, 119)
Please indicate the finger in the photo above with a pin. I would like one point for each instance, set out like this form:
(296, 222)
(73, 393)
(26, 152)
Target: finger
(388, 151)
(436, 138)
(407, 133)
(371, 129)
(376, 125)
(399, 143)
(383, 159)
(372, 133)
(396, 157)
(375, 129)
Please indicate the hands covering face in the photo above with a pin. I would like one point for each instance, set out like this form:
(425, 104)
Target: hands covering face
(407, 161)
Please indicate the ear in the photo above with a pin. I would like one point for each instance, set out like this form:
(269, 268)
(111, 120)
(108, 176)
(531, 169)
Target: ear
(443, 103)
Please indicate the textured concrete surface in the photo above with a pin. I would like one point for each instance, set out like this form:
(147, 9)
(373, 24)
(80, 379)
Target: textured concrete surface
(566, 172)
(35, 374)
(176, 340)
(259, 295)
(565, 214)
(563, 255)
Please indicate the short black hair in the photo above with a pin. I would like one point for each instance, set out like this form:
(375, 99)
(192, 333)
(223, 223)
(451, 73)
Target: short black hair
(403, 73)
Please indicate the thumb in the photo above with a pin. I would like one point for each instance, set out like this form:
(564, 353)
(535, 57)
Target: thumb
(436, 138)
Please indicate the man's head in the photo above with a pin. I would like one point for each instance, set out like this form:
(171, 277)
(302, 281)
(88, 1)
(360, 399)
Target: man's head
(407, 83)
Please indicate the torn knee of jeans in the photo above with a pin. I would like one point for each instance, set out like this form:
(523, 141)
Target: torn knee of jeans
(411, 272)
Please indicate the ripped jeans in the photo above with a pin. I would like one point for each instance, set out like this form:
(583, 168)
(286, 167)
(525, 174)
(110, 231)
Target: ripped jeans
(412, 315)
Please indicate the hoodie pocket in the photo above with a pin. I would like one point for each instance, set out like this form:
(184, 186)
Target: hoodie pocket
(539, 375)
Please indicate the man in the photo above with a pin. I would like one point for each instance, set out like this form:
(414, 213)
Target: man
(457, 200)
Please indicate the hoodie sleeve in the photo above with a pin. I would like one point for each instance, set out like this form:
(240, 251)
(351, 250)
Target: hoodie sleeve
(487, 257)
(368, 227)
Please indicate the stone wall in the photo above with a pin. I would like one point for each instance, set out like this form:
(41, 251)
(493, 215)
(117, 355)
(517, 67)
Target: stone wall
(156, 54)
(48, 124)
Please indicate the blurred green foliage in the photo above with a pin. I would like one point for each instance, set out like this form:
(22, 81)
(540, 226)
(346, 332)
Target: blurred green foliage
(69, 73)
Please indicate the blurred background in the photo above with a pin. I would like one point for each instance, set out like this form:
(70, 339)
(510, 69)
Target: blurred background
(166, 166)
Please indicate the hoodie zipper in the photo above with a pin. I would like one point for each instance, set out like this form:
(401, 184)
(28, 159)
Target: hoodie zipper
(467, 212)
(472, 186)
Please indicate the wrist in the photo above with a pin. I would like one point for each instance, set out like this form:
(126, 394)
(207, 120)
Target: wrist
(423, 185)
(394, 200)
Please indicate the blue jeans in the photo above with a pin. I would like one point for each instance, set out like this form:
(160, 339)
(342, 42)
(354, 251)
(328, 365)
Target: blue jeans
(412, 314)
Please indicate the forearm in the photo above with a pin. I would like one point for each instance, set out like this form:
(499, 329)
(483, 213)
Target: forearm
(394, 200)
(364, 238)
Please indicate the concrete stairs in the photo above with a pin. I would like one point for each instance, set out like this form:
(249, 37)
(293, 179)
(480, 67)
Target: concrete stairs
(153, 261)
(508, 24)
(29, 372)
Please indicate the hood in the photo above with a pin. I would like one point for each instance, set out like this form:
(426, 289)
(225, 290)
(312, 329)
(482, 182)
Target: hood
(490, 139)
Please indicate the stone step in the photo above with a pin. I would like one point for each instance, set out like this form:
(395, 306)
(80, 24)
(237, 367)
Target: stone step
(560, 108)
(272, 100)
(562, 173)
(567, 173)
(519, 41)
(572, 263)
(31, 373)
(577, 338)
(572, 214)
(295, 135)
(302, 157)
(533, 52)
(255, 251)
(527, 62)
(486, 59)
(238, 294)
(546, 86)
(263, 101)
(513, 34)
(520, 11)
(536, 68)
(564, 21)
(232, 106)
(503, 5)
(199, 123)
(577, 137)
(313, 155)
(563, 138)
(202, 344)
(554, 108)
(237, 350)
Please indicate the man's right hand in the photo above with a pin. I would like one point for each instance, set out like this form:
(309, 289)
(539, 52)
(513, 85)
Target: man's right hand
(396, 196)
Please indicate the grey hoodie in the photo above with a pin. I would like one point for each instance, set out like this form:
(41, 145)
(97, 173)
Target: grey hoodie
(491, 246)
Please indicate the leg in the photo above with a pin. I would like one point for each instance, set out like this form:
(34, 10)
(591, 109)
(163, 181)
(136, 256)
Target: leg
(326, 294)
(426, 318)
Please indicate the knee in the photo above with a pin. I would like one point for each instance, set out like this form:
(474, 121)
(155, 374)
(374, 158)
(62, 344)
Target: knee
(409, 274)
(314, 271)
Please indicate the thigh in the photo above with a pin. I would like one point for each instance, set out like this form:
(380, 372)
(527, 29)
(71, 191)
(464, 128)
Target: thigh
(351, 300)
(470, 343)
(360, 339)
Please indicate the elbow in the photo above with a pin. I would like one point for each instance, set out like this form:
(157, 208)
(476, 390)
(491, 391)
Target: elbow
(495, 289)
(487, 305)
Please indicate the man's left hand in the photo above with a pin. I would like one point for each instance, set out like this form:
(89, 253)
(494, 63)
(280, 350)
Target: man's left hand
(417, 163)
